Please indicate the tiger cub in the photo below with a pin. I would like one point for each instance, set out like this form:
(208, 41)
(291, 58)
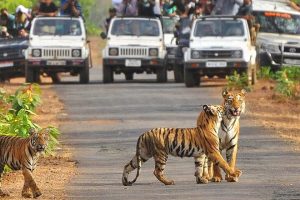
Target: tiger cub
(22, 154)
(181, 142)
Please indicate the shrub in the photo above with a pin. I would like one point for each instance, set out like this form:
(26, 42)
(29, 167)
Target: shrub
(287, 82)
(237, 81)
(265, 73)
(17, 110)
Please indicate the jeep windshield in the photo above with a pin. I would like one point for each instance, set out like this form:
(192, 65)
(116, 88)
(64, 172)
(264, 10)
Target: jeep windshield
(219, 28)
(135, 27)
(276, 22)
(53, 27)
(168, 25)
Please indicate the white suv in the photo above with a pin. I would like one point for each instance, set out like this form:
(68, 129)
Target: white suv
(134, 45)
(57, 44)
(218, 46)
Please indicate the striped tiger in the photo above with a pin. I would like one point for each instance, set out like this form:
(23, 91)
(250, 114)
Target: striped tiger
(234, 104)
(22, 154)
(181, 142)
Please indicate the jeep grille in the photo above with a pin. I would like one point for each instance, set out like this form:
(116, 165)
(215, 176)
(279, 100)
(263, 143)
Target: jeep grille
(57, 53)
(134, 52)
(216, 54)
(6, 54)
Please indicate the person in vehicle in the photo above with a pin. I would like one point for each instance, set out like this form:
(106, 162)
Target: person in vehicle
(70, 8)
(47, 8)
(169, 9)
(4, 33)
(8, 20)
(23, 18)
(234, 31)
(146, 8)
(198, 12)
(227, 7)
(74, 30)
(206, 30)
(128, 8)
(112, 14)
(22, 33)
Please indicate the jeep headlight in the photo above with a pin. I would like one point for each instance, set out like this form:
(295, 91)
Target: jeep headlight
(237, 54)
(153, 52)
(270, 48)
(113, 51)
(195, 54)
(36, 52)
(76, 53)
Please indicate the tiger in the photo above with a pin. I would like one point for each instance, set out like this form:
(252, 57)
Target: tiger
(180, 142)
(234, 104)
(22, 154)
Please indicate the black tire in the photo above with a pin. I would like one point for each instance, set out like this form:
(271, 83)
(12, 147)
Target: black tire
(191, 78)
(84, 76)
(108, 74)
(31, 75)
(55, 77)
(178, 73)
(161, 75)
(129, 76)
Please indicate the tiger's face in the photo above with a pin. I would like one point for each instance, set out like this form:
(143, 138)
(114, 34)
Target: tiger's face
(39, 140)
(214, 110)
(234, 103)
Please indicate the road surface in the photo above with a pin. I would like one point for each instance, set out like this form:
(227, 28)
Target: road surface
(104, 122)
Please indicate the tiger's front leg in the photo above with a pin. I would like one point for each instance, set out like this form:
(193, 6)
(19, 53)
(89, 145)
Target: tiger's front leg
(29, 183)
(231, 156)
(160, 164)
(200, 168)
(2, 193)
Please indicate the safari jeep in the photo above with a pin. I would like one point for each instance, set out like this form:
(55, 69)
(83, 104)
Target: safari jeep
(57, 44)
(278, 39)
(134, 45)
(219, 46)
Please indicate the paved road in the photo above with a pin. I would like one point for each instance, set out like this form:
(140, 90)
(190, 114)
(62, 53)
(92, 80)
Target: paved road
(104, 122)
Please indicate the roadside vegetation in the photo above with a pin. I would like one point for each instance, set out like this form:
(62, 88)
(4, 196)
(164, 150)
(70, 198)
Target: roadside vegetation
(17, 111)
(286, 81)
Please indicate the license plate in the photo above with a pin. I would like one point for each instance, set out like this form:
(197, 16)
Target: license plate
(133, 63)
(292, 61)
(56, 62)
(216, 64)
(6, 64)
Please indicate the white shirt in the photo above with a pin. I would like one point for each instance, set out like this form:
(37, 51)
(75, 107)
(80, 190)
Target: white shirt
(156, 8)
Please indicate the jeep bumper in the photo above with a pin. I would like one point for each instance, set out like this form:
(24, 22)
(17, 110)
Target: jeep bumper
(57, 65)
(278, 60)
(145, 63)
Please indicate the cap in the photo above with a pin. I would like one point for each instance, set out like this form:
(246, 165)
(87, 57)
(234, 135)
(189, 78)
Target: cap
(22, 9)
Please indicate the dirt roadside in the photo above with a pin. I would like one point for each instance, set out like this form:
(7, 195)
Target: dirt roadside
(278, 114)
(54, 172)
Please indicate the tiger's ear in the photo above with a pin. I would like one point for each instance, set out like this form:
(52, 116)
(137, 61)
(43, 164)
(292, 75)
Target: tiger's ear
(224, 92)
(32, 131)
(207, 109)
(243, 92)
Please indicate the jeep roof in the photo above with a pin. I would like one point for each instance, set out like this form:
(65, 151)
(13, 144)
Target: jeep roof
(274, 6)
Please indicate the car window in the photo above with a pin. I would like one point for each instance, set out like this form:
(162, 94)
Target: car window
(276, 22)
(134, 27)
(49, 27)
(222, 28)
(169, 25)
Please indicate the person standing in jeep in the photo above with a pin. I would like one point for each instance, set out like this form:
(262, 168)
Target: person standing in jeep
(70, 8)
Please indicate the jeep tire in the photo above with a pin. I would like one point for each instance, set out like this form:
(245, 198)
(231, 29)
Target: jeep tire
(108, 74)
(191, 78)
(178, 73)
(161, 75)
(84, 76)
(31, 75)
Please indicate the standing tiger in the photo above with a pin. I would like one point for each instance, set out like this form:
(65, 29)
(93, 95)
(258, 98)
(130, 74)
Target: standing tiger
(234, 104)
(181, 142)
(22, 154)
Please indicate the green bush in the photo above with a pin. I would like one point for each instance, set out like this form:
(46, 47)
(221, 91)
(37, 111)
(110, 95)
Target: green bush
(287, 82)
(237, 81)
(17, 111)
(265, 73)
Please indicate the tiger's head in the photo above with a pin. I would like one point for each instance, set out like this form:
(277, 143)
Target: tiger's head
(39, 140)
(234, 103)
(214, 110)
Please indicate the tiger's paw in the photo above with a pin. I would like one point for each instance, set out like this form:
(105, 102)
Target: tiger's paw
(237, 173)
(201, 180)
(4, 194)
(217, 179)
(169, 182)
(232, 179)
(26, 194)
(37, 193)
(125, 181)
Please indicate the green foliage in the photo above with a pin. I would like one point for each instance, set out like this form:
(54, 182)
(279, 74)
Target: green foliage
(265, 73)
(237, 81)
(11, 5)
(17, 110)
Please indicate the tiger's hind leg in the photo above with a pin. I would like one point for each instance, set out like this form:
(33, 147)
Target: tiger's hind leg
(199, 169)
(2, 193)
(160, 164)
(129, 167)
(29, 183)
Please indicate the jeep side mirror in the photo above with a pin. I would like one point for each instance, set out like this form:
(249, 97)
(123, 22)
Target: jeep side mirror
(103, 35)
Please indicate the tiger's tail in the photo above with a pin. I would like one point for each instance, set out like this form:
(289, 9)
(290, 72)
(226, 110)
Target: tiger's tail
(139, 162)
